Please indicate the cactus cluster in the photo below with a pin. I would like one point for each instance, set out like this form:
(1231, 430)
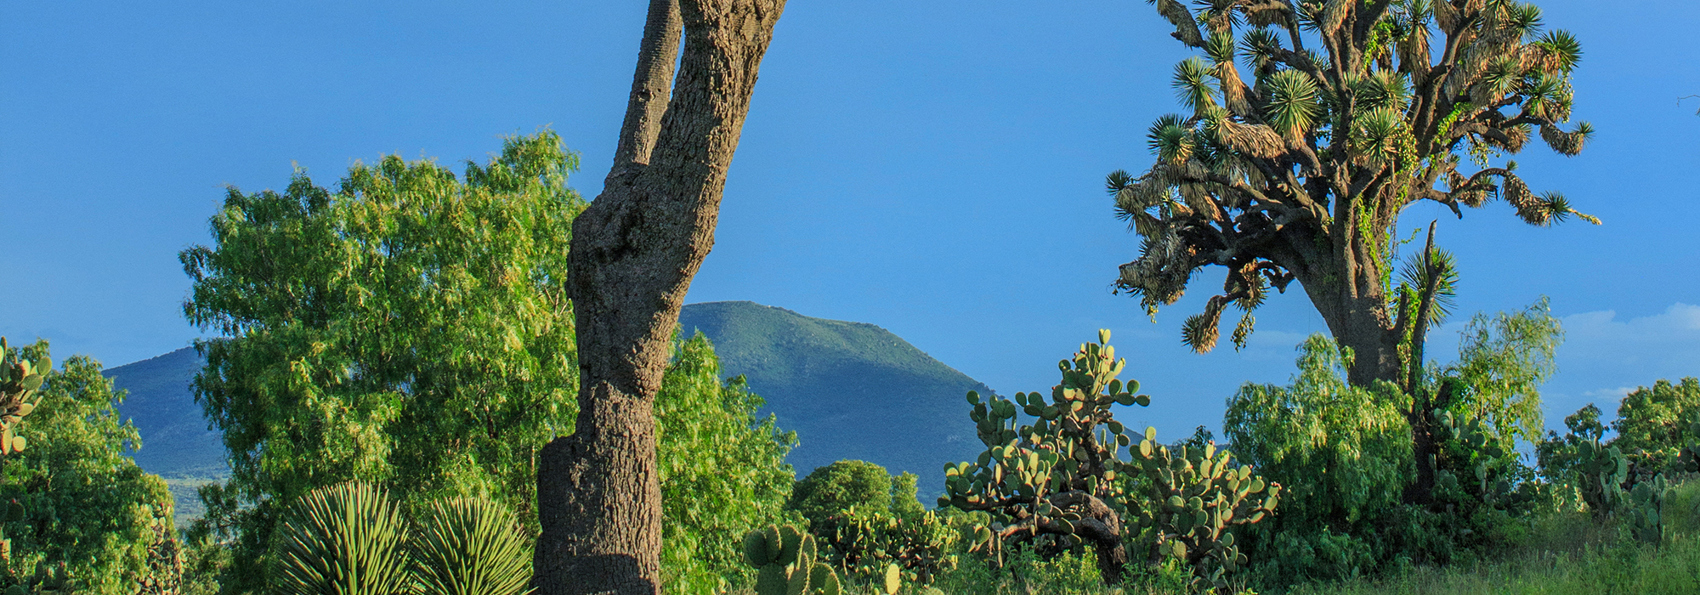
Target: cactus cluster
(787, 563)
(19, 379)
(869, 544)
(1057, 476)
(1479, 451)
(1197, 496)
(1063, 475)
(1641, 510)
(1603, 471)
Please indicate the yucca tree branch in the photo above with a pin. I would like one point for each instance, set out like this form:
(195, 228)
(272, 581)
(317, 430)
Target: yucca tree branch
(1302, 172)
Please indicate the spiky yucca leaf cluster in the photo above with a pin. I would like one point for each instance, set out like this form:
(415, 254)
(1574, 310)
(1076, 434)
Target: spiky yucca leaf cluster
(344, 539)
(471, 546)
(1348, 112)
(351, 539)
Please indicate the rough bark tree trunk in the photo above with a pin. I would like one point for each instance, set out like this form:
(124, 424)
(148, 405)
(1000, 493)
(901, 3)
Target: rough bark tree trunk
(633, 254)
(1360, 323)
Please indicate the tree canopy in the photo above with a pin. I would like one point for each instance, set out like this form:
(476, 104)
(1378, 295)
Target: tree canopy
(87, 506)
(1352, 111)
(409, 328)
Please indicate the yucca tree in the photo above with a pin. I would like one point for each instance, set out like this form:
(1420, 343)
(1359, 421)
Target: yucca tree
(1298, 169)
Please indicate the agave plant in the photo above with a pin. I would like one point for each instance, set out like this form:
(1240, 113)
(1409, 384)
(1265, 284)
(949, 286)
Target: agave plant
(470, 546)
(344, 539)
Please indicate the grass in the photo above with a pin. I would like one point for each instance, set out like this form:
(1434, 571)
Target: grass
(1567, 553)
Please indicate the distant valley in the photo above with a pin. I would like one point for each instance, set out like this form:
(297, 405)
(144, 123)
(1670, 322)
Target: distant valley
(850, 390)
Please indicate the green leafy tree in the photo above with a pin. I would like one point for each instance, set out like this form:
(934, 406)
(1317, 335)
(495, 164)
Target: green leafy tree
(88, 510)
(1654, 424)
(723, 470)
(834, 488)
(1347, 113)
(408, 329)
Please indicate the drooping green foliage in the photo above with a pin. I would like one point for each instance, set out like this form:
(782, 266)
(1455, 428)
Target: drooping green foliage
(1502, 362)
(345, 539)
(470, 546)
(723, 470)
(787, 562)
(1345, 455)
(408, 328)
(1341, 452)
(81, 514)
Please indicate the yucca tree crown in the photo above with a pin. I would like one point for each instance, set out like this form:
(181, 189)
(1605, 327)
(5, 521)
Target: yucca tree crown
(1346, 112)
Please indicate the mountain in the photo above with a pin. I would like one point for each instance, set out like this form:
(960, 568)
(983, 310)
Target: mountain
(176, 443)
(850, 390)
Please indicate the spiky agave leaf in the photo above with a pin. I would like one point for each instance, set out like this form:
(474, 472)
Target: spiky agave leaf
(1292, 107)
(1376, 136)
(471, 546)
(1522, 19)
(1192, 84)
(1560, 51)
(1260, 46)
(1383, 88)
(1558, 208)
(1546, 96)
(1170, 139)
(1438, 267)
(344, 539)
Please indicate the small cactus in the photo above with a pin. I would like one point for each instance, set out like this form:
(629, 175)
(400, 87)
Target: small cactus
(19, 379)
(786, 563)
(1604, 470)
(1642, 508)
(1197, 497)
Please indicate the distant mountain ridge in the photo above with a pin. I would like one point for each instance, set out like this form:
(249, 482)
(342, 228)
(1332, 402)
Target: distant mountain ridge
(850, 390)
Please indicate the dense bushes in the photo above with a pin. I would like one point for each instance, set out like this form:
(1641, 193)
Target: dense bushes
(91, 519)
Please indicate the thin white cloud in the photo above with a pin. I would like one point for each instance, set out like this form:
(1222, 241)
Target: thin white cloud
(1605, 357)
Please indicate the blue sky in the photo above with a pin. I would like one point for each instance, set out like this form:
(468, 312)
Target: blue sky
(934, 168)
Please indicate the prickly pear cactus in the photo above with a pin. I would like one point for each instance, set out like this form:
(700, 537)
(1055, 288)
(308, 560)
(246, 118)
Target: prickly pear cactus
(786, 563)
(1197, 497)
(1603, 471)
(1642, 507)
(1056, 476)
(867, 544)
(1469, 446)
(19, 379)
